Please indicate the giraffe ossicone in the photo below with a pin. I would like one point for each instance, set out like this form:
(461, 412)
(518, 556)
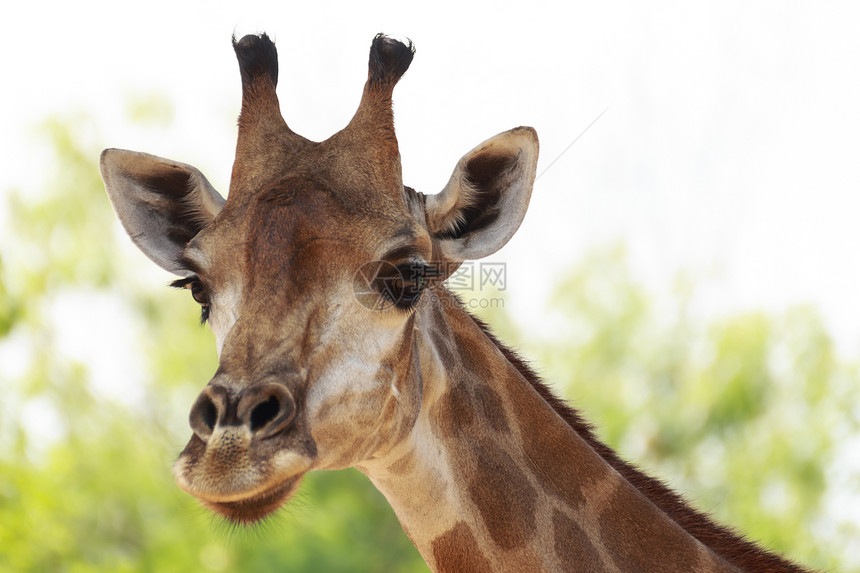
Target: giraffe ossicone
(322, 278)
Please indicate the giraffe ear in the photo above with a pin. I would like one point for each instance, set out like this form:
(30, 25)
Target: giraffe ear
(162, 204)
(486, 198)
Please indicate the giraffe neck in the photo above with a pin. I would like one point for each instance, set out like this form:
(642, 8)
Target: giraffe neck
(493, 479)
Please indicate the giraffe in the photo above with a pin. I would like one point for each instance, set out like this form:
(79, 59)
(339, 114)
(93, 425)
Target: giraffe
(322, 278)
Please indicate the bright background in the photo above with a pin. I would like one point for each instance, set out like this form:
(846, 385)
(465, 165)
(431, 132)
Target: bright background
(720, 181)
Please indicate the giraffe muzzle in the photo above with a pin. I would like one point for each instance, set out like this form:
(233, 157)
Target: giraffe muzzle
(262, 410)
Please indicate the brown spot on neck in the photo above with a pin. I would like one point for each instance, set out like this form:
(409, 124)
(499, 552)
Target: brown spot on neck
(491, 408)
(504, 497)
(454, 413)
(572, 547)
(457, 551)
(635, 535)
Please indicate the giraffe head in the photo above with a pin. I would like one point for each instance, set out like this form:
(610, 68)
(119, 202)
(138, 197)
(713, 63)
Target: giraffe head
(311, 275)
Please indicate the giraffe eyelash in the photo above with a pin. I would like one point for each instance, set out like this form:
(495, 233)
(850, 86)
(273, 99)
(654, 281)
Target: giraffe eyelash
(198, 292)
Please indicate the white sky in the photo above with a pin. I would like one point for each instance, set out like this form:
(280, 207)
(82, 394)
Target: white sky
(730, 145)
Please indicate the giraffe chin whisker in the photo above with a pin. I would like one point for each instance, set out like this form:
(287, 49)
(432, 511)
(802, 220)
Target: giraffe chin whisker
(251, 510)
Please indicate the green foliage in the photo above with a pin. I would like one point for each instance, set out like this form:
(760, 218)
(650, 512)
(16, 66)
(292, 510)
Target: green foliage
(746, 414)
(153, 109)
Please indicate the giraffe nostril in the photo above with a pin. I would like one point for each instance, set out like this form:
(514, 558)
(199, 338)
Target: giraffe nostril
(266, 409)
(264, 412)
(208, 413)
(204, 413)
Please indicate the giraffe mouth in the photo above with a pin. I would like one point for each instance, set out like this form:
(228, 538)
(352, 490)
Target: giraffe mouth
(256, 507)
(243, 485)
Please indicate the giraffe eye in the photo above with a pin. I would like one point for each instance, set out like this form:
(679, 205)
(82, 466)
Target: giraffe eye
(412, 280)
(198, 293)
(401, 285)
(201, 296)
